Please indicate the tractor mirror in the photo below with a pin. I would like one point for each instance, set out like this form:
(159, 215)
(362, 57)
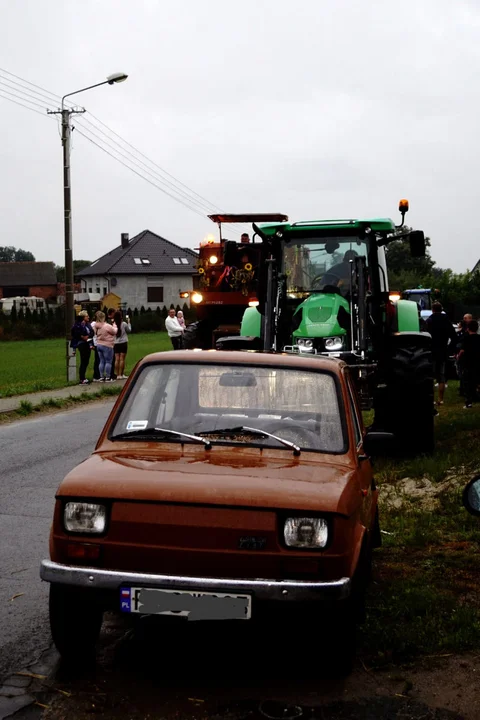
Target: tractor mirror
(331, 246)
(378, 443)
(471, 496)
(417, 243)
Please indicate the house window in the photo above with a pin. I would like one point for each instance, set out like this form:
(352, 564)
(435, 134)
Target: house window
(154, 294)
(146, 261)
(184, 261)
(97, 290)
(104, 290)
(137, 261)
(90, 290)
(177, 261)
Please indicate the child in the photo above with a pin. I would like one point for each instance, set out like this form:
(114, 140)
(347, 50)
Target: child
(181, 319)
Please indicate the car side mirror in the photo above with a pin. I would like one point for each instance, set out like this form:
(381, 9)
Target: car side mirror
(378, 443)
(417, 243)
(471, 496)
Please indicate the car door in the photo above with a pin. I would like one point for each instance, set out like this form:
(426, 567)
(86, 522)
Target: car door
(364, 465)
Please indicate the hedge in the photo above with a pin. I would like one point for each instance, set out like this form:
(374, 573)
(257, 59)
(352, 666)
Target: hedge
(38, 325)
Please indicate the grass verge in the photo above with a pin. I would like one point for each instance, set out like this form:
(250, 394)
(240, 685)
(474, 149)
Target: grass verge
(34, 365)
(48, 405)
(424, 597)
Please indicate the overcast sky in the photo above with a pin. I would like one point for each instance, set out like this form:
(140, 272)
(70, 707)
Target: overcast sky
(314, 108)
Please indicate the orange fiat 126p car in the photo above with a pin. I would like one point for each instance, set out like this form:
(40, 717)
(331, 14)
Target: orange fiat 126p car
(224, 486)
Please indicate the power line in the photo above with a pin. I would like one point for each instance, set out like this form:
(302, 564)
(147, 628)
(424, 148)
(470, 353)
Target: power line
(153, 163)
(27, 107)
(137, 173)
(21, 97)
(50, 97)
(131, 159)
(140, 164)
(188, 197)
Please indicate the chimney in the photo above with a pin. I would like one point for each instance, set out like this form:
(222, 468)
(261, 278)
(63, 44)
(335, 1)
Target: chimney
(125, 240)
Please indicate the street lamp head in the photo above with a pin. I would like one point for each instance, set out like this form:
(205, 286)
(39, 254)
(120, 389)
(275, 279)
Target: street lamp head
(116, 78)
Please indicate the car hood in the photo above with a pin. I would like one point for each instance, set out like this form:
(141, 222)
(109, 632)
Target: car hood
(245, 477)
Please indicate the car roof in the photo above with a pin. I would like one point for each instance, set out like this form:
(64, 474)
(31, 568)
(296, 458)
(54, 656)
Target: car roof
(248, 358)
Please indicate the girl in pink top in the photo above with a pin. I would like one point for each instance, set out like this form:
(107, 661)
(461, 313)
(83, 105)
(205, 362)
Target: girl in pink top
(105, 335)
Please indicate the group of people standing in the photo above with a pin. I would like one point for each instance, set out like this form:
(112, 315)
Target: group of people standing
(107, 338)
(464, 344)
(175, 326)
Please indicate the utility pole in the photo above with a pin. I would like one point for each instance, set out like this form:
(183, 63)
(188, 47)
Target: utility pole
(71, 361)
(65, 113)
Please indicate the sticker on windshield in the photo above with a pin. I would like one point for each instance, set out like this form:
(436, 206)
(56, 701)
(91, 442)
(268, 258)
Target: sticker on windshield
(137, 424)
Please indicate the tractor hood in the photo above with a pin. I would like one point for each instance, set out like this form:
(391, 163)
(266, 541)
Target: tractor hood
(318, 316)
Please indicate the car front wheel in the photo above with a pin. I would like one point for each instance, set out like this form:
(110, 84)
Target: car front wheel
(75, 621)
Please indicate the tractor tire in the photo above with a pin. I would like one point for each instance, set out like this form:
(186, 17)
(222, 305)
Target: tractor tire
(405, 405)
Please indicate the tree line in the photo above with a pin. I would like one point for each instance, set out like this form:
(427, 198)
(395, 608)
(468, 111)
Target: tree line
(456, 290)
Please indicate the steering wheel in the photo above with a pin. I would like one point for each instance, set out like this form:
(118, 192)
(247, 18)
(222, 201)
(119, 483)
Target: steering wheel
(300, 436)
(318, 278)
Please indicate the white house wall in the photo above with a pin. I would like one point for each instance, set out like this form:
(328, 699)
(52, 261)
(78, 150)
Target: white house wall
(132, 289)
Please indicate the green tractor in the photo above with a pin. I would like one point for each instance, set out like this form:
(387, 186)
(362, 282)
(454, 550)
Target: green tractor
(322, 288)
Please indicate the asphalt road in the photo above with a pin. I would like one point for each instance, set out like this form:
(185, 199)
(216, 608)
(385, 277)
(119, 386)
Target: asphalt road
(34, 457)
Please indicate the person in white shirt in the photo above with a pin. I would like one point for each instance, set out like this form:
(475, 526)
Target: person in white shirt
(174, 330)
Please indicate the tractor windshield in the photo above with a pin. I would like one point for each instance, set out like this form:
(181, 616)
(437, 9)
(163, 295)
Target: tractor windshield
(313, 264)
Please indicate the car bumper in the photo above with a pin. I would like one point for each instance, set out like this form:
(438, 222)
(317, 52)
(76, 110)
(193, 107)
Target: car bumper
(277, 590)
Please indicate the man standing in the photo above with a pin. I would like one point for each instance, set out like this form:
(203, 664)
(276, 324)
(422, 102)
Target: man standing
(174, 329)
(461, 333)
(442, 331)
(470, 358)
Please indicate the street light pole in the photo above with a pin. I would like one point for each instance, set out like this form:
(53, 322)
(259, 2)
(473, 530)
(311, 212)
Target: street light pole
(71, 363)
(67, 208)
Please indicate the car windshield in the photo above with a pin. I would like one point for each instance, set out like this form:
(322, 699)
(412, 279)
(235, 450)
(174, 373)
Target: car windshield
(312, 264)
(300, 406)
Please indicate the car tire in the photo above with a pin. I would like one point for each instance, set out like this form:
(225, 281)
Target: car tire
(341, 648)
(75, 621)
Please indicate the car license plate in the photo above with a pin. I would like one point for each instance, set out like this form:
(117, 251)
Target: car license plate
(186, 603)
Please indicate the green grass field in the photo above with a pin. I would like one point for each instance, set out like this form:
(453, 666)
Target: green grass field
(34, 365)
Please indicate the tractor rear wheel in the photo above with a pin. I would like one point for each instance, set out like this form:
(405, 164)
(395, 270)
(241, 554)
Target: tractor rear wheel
(405, 406)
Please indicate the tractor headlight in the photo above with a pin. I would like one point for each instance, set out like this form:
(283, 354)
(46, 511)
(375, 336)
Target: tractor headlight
(305, 343)
(301, 532)
(197, 298)
(333, 343)
(81, 517)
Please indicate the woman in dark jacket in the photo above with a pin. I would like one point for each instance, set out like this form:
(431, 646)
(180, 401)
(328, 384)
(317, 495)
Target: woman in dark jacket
(82, 340)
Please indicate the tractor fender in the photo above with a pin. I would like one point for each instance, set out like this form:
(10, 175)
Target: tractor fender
(407, 319)
(251, 323)
(411, 339)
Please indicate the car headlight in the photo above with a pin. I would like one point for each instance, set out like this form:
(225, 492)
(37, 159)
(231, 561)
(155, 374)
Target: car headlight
(84, 517)
(334, 343)
(305, 532)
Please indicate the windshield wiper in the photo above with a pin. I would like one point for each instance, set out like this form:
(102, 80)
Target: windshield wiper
(255, 431)
(160, 431)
